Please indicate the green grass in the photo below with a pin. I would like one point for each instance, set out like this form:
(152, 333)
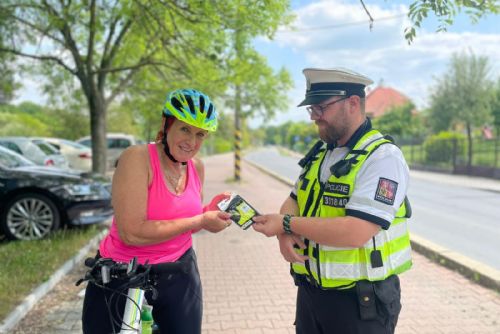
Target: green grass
(27, 264)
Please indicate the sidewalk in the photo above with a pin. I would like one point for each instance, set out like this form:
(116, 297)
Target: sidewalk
(247, 287)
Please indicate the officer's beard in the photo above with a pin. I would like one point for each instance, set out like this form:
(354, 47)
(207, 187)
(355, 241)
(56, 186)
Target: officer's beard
(339, 130)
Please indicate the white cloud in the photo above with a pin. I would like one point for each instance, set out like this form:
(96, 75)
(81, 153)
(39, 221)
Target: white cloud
(382, 53)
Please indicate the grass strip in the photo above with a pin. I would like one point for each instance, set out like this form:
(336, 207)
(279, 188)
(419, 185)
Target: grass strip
(27, 264)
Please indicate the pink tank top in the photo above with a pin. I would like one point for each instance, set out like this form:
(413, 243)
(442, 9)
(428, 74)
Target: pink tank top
(162, 205)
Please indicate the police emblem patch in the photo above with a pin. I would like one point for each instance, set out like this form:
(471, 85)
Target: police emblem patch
(386, 191)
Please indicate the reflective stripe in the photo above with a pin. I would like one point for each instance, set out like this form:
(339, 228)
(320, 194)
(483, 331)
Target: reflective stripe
(350, 272)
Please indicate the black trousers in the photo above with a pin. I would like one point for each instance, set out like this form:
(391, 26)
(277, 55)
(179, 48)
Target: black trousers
(177, 309)
(338, 311)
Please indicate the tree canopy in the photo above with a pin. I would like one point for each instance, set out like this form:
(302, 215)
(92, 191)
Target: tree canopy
(446, 11)
(462, 96)
(101, 50)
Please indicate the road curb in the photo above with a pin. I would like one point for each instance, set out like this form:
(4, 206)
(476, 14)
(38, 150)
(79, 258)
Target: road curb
(21, 310)
(475, 271)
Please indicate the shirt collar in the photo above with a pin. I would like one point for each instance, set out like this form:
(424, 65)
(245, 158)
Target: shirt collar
(363, 128)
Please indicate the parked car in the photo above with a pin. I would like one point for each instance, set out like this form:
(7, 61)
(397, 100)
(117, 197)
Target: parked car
(78, 156)
(36, 200)
(38, 151)
(117, 143)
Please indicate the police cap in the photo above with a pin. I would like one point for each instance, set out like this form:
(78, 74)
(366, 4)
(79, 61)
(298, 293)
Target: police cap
(322, 84)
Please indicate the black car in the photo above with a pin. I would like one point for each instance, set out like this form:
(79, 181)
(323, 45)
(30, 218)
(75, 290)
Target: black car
(36, 200)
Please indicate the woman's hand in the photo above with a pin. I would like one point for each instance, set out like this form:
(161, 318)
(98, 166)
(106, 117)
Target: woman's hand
(215, 221)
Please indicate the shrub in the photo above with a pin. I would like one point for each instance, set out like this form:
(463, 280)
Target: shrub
(440, 147)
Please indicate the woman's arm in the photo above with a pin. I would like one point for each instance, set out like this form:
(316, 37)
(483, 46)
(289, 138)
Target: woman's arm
(129, 199)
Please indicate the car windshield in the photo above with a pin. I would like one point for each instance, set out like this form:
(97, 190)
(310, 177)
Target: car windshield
(74, 144)
(10, 159)
(46, 147)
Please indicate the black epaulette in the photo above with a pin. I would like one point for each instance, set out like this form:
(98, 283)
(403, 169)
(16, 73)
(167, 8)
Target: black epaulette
(311, 154)
(390, 138)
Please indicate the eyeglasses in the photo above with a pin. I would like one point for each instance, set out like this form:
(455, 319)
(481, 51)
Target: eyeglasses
(318, 109)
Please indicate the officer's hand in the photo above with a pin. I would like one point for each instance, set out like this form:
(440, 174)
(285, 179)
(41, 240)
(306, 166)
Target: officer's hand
(269, 225)
(287, 242)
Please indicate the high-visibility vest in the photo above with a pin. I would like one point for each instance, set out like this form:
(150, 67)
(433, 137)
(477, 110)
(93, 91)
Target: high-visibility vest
(340, 267)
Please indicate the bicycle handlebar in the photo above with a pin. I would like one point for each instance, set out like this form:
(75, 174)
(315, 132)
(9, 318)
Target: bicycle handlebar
(103, 270)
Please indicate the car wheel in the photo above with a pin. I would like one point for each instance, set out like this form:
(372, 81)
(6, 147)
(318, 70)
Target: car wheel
(29, 217)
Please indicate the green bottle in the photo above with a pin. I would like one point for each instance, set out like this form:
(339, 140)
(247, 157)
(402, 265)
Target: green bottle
(146, 320)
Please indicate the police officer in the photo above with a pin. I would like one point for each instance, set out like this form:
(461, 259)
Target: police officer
(343, 228)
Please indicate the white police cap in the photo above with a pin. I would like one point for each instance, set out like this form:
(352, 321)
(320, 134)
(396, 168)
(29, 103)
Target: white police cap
(325, 83)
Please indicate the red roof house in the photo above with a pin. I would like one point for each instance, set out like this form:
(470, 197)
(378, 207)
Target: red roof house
(381, 99)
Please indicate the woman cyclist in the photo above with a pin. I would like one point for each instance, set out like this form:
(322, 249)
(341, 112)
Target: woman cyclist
(157, 198)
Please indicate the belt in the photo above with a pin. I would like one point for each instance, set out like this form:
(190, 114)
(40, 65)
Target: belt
(305, 280)
(308, 281)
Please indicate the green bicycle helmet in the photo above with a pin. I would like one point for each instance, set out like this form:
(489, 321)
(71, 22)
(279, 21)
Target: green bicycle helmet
(192, 107)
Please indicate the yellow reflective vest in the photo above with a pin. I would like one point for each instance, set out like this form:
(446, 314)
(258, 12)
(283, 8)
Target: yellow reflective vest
(340, 267)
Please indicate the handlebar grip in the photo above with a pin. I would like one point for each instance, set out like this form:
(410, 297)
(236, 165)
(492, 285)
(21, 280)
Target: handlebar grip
(90, 262)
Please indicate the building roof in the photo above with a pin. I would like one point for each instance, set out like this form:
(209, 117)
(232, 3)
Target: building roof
(381, 99)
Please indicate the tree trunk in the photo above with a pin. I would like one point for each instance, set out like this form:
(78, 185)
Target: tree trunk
(98, 132)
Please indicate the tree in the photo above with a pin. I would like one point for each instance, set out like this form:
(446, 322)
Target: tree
(463, 95)
(103, 45)
(256, 88)
(401, 121)
(7, 82)
(14, 120)
(445, 12)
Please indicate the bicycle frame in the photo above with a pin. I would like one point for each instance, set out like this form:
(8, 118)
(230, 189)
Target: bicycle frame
(103, 270)
(131, 322)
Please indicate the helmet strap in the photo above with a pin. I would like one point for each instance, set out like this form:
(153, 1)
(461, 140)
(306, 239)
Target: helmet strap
(166, 149)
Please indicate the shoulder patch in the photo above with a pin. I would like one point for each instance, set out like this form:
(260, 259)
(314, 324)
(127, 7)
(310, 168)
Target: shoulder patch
(386, 191)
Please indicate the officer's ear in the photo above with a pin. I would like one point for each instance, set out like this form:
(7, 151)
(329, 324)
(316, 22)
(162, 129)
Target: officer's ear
(354, 103)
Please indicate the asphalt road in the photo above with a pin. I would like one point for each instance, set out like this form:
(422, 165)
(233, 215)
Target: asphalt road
(460, 218)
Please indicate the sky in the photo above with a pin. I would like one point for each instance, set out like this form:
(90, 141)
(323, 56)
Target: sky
(335, 33)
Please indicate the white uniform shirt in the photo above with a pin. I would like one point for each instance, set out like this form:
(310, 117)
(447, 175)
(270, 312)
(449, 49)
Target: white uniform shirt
(380, 186)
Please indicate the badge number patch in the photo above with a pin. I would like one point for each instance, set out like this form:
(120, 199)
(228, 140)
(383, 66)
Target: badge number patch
(336, 202)
(386, 191)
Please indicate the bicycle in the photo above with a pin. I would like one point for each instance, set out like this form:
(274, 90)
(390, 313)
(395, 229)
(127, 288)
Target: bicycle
(137, 279)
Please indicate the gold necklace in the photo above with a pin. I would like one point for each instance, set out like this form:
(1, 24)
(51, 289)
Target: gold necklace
(172, 179)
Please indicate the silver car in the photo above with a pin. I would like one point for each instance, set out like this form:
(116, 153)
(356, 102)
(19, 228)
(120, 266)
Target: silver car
(36, 150)
(78, 156)
(116, 142)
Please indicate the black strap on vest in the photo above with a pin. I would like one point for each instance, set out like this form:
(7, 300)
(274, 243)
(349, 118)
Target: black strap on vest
(311, 154)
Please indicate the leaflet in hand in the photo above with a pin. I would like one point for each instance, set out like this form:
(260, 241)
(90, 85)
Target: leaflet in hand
(241, 212)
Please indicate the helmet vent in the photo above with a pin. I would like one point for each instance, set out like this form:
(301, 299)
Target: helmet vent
(189, 100)
(202, 104)
(177, 104)
(210, 110)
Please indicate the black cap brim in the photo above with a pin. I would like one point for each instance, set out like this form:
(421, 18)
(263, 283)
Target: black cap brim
(314, 100)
